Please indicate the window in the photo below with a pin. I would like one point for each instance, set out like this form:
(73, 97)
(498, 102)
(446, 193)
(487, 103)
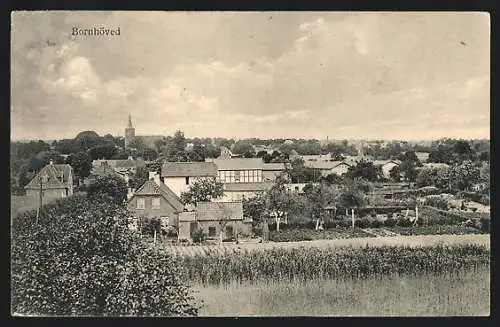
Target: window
(187, 180)
(141, 203)
(156, 203)
(237, 176)
(211, 231)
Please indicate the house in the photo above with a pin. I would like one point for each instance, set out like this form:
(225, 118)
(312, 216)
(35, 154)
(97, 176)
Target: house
(239, 170)
(387, 166)
(422, 156)
(247, 190)
(326, 168)
(213, 218)
(178, 176)
(128, 165)
(270, 171)
(155, 199)
(54, 181)
(296, 187)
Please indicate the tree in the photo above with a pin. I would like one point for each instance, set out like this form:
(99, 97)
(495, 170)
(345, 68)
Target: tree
(82, 259)
(395, 174)
(320, 197)
(203, 190)
(301, 174)
(86, 140)
(408, 166)
(102, 151)
(464, 175)
(81, 164)
(353, 193)
(244, 148)
(113, 187)
(138, 144)
(255, 207)
(366, 170)
(141, 176)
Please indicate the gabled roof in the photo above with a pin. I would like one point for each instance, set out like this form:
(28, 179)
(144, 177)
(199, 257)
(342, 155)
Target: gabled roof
(188, 169)
(151, 188)
(104, 171)
(239, 163)
(248, 187)
(385, 162)
(219, 210)
(56, 177)
(324, 165)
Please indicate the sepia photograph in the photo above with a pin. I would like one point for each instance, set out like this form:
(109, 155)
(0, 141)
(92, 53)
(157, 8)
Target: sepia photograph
(250, 164)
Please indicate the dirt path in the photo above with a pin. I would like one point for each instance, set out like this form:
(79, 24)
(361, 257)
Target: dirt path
(418, 240)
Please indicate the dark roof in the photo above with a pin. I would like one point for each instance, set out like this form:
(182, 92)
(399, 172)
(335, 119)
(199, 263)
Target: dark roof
(57, 176)
(188, 169)
(324, 165)
(274, 166)
(239, 163)
(104, 171)
(219, 210)
(151, 188)
(130, 163)
(248, 187)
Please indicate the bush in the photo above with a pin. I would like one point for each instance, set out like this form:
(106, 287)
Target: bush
(81, 259)
(404, 222)
(485, 225)
(437, 202)
(363, 223)
(390, 222)
(198, 236)
(377, 224)
(112, 187)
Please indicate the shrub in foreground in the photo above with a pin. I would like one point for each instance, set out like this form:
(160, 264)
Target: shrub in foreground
(81, 259)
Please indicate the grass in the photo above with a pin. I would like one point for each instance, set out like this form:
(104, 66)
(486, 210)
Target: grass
(22, 203)
(461, 294)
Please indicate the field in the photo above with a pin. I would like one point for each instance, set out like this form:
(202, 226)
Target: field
(463, 294)
(415, 240)
(348, 281)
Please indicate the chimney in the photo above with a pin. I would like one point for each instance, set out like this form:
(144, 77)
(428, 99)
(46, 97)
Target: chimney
(155, 177)
(51, 162)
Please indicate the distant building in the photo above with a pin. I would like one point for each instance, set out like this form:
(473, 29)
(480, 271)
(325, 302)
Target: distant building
(422, 156)
(55, 181)
(128, 165)
(387, 166)
(178, 176)
(326, 168)
(129, 132)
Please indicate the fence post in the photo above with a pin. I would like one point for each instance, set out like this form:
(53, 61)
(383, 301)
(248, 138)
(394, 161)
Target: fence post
(154, 241)
(352, 214)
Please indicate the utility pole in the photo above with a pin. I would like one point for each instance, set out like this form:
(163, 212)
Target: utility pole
(40, 200)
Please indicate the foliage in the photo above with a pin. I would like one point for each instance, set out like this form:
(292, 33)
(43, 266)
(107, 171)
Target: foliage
(302, 264)
(437, 202)
(365, 170)
(306, 234)
(198, 236)
(141, 176)
(203, 190)
(299, 173)
(81, 259)
(102, 151)
(113, 187)
(81, 163)
(254, 207)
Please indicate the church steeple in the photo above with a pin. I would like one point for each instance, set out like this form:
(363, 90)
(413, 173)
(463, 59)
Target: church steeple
(130, 122)
(129, 132)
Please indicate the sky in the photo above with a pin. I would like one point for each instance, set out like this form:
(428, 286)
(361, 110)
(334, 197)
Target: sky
(354, 75)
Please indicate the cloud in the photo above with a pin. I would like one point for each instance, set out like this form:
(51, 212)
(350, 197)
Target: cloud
(252, 74)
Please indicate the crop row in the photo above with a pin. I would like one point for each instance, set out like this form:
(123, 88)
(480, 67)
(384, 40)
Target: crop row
(302, 264)
(303, 234)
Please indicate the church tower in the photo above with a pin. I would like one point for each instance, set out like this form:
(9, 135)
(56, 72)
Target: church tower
(129, 132)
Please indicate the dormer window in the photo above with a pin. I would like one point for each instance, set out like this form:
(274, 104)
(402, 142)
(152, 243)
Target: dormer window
(45, 178)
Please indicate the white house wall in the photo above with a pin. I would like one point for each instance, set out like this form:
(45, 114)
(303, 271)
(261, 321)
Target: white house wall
(178, 184)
